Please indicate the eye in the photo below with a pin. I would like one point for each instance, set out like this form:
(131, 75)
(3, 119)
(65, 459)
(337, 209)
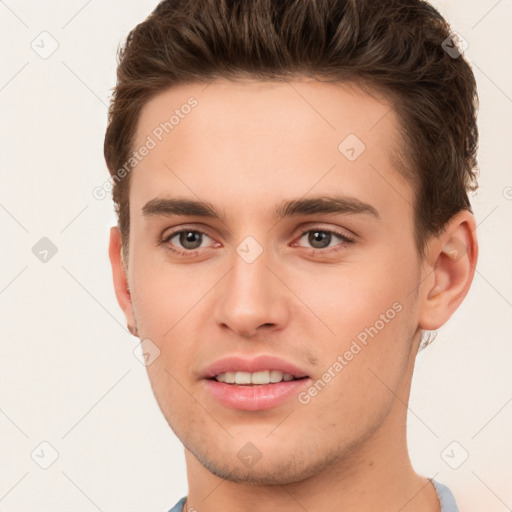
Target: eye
(320, 239)
(189, 240)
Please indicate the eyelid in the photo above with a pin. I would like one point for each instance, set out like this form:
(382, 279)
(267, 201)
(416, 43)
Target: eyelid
(180, 228)
(344, 233)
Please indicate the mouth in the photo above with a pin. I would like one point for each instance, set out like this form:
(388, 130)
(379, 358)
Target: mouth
(263, 382)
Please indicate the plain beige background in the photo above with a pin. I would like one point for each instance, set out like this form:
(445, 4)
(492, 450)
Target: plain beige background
(68, 374)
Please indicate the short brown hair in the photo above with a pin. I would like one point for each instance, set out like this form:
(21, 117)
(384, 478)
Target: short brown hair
(394, 47)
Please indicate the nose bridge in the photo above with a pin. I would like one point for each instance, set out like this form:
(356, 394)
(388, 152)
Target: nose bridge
(251, 295)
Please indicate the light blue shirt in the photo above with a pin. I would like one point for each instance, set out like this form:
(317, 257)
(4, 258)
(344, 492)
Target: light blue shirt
(444, 494)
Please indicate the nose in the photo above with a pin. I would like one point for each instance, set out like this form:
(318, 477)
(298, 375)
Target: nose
(251, 298)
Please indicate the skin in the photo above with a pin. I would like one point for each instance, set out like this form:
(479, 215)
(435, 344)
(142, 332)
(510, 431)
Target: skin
(245, 148)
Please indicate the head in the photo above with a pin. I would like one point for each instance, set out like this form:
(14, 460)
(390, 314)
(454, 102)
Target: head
(279, 107)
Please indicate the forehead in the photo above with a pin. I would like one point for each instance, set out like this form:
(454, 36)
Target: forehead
(258, 142)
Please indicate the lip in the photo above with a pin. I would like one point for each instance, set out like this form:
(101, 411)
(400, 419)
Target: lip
(254, 398)
(255, 364)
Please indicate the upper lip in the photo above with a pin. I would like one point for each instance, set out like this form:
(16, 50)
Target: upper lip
(254, 364)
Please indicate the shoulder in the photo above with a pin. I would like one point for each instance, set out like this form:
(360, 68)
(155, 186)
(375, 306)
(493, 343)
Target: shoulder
(179, 505)
(446, 498)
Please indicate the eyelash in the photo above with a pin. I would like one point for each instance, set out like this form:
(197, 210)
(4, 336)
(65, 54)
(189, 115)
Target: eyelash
(345, 240)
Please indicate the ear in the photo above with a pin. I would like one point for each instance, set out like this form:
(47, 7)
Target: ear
(448, 271)
(120, 278)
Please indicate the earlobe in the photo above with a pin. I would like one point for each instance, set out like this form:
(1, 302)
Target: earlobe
(121, 279)
(452, 256)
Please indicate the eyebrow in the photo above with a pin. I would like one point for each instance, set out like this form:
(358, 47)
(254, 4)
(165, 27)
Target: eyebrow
(311, 206)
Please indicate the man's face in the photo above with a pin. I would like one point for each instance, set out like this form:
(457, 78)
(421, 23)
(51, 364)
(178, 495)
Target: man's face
(254, 284)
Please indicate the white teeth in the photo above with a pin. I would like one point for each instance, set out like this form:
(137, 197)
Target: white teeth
(242, 378)
(276, 376)
(258, 378)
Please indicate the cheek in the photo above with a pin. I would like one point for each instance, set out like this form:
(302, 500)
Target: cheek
(371, 315)
(164, 293)
(351, 297)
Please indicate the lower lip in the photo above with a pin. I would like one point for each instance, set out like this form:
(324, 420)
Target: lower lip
(255, 398)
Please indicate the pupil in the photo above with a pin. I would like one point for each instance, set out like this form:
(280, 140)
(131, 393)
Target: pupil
(190, 237)
(319, 236)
